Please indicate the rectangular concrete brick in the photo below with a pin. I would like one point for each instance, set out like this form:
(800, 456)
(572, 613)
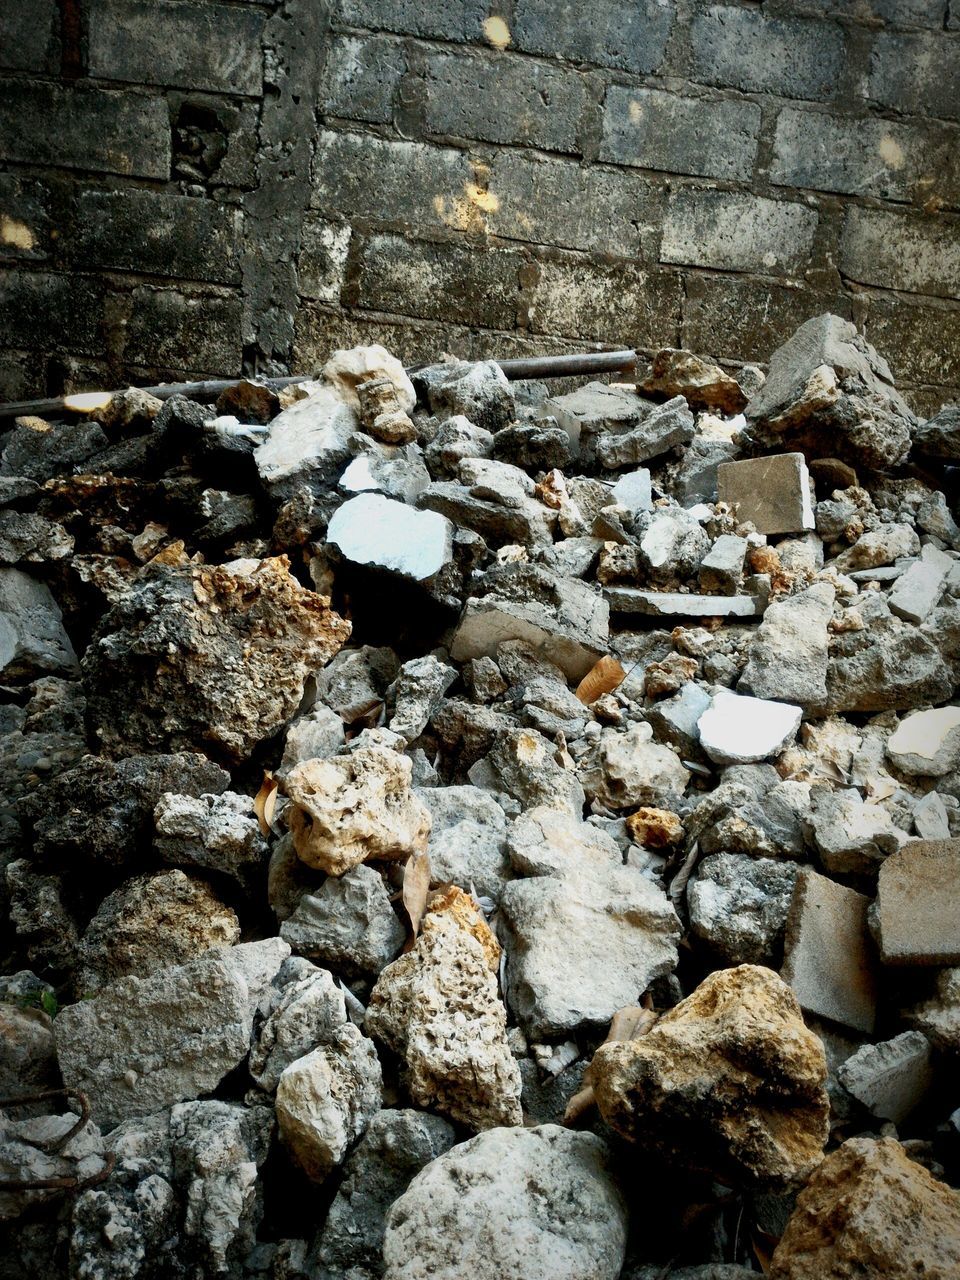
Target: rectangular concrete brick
(557, 202)
(921, 343)
(29, 35)
(772, 492)
(891, 159)
(439, 281)
(897, 251)
(323, 258)
(85, 129)
(361, 76)
(740, 48)
(829, 958)
(918, 892)
(459, 20)
(730, 231)
(916, 73)
(24, 219)
(617, 302)
(170, 329)
(213, 47)
(166, 235)
(657, 130)
(501, 98)
(396, 181)
(631, 37)
(40, 311)
(897, 13)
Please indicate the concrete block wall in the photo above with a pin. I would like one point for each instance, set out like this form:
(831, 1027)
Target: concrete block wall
(195, 187)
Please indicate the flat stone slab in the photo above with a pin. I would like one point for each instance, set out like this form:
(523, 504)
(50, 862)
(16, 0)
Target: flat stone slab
(918, 591)
(829, 957)
(736, 729)
(675, 604)
(926, 744)
(889, 1078)
(918, 904)
(773, 493)
(373, 530)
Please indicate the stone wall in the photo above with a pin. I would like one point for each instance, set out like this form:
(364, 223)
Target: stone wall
(191, 188)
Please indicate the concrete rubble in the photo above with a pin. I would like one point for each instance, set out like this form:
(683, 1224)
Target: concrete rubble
(463, 826)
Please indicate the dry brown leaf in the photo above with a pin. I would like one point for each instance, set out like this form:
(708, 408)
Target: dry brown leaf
(603, 677)
(629, 1023)
(265, 802)
(763, 1247)
(416, 888)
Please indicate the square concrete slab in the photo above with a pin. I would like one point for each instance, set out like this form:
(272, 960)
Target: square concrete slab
(918, 904)
(772, 492)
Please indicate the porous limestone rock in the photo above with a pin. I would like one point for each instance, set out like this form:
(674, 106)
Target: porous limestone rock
(349, 808)
(938, 1017)
(149, 923)
(796, 626)
(347, 370)
(438, 1008)
(326, 1098)
(703, 384)
(215, 832)
(347, 923)
(752, 811)
(736, 729)
(144, 1043)
(479, 391)
(505, 1200)
(739, 904)
(891, 665)
(581, 947)
(729, 1082)
(214, 657)
(524, 764)
(850, 834)
(627, 768)
(663, 427)
(871, 1212)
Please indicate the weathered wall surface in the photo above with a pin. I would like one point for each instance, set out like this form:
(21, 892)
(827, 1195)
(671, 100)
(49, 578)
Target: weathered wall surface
(190, 187)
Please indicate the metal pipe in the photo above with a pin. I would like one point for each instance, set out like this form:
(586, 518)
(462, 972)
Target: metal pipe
(515, 370)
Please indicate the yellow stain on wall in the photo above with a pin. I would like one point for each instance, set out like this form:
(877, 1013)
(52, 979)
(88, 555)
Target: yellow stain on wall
(636, 111)
(891, 153)
(497, 32)
(469, 211)
(16, 234)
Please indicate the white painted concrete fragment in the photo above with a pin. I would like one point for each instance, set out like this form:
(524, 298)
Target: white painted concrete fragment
(371, 529)
(736, 729)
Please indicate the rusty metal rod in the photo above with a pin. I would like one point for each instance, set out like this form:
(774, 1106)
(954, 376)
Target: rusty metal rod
(525, 367)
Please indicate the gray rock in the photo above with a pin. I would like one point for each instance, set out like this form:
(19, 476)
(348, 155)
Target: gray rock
(506, 1198)
(625, 769)
(482, 509)
(467, 839)
(938, 1017)
(773, 493)
(26, 537)
(849, 835)
(695, 475)
(30, 1149)
(523, 764)
(418, 692)
(675, 719)
(891, 1078)
(581, 947)
(457, 438)
(478, 391)
(377, 531)
(742, 730)
(38, 454)
(632, 490)
(395, 471)
(880, 547)
(311, 736)
(890, 665)
(214, 832)
(355, 683)
(395, 1147)
(930, 818)
(939, 438)
(546, 842)
(258, 965)
(303, 1008)
(751, 811)
(672, 545)
(307, 443)
(28, 1051)
(594, 409)
(788, 659)
(738, 905)
(678, 604)
(144, 1043)
(32, 639)
(664, 427)
(917, 592)
(43, 924)
(348, 924)
(721, 569)
(550, 707)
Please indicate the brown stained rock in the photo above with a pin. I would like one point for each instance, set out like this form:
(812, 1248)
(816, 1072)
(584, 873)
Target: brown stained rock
(729, 1082)
(208, 656)
(438, 1008)
(349, 808)
(918, 904)
(703, 384)
(871, 1213)
(654, 828)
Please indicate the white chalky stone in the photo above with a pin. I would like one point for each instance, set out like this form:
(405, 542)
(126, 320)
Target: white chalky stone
(736, 729)
(371, 529)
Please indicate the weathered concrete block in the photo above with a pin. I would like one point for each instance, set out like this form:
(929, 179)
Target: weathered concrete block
(460, 20)
(85, 129)
(744, 49)
(917, 592)
(889, 1078)
(917, 913)
(323, 258)
(39, 309)
(361, 77)
(657, 130)
(29, 33)
(631, 37)
(500, 98)
(918, 255)
(678, 604)
(829, 958)
(891, 159)
(588, 299)
(163, 235)
(169, 329)
(772, 492)
(26, 224)
(721, 569)
(735, 232)
(915, 73)
(192, 46)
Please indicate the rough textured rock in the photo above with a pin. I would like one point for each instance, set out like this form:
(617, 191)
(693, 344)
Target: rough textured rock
(304, 1008)
(738, 905)
(144, 1043)
(418, 692)
(214, 657)
(546, 842)
(353, 807)
(395, 1147)
(798, 627)
(627, 769)
(736, 729)
(729, 1082)
(849, 834)
(467, 839)
(151, 923)
(916, 910)
(32, 639)
(889, 1078)
(347, 923)
(502, 1204)
(872, 1213)
(215, 832)
(524, 764)
(438, 1008)
(703, 384)
(28, 1052)
(326, 1098)
(582, 947)
(29, 1151)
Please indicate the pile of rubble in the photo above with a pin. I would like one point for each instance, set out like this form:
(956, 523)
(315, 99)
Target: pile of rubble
(460, 828)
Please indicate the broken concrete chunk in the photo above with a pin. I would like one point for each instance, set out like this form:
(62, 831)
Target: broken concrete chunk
(664, 427)
(917, 918)
(372, 530)
(546, 842)
(677, 604)
(741, 730)
(829, 958)
(721, 569)
(672, 545)
(581, 947)
(729, 1082)
(418, 692)
(927, 743)
(347, 371)
(348, 924)
(939, 1016)
(303, 1008)
(626, 768)
(850, 834)
(349, 808)
(467, 839)
(739, 904)
(477, 390)
(917, 592)
(524, 764)
(593, 409)
(216, 832)
(307, 443)
(889, 1078)
(773, 493)
(703, 384)
(32, 639)
(880, 547)
(633, 490)
(788, 659)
